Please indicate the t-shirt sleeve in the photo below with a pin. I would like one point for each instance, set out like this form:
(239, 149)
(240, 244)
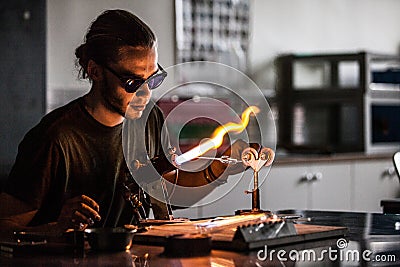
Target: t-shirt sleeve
(37, 162)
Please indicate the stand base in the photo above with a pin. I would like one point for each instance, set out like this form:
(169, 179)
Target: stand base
(245, 212)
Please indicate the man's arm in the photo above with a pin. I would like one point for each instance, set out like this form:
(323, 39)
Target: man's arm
(11, 206)
(15, 215)
(215, 171)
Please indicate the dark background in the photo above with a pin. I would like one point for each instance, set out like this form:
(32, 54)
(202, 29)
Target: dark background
(22, 74)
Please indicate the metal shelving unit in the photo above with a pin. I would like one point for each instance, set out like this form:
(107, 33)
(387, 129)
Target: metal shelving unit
(322, 99)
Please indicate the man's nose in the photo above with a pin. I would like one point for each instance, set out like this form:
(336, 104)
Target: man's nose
(143, 91)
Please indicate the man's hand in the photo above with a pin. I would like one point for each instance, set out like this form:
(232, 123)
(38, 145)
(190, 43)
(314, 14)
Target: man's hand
(78, 213)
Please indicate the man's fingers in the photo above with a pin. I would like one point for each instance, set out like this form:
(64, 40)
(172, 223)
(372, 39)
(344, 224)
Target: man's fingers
(85, 199)
(79, 221)
(93, 204)
(82, 209)
(79, 217)
(89, 212)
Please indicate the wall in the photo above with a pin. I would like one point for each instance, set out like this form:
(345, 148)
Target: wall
(22, 74)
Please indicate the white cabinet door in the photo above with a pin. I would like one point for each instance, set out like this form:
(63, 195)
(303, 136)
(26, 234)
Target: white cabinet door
(318, 186)
(372, 183)
(331, 186)
(285, 188)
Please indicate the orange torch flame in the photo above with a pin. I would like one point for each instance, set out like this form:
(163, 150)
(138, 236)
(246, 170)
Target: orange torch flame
(217, 137)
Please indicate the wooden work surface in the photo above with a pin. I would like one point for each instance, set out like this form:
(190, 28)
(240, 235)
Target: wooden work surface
(366, 230)
(223, 232)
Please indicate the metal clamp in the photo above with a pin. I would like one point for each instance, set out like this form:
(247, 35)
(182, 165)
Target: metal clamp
(255, 160)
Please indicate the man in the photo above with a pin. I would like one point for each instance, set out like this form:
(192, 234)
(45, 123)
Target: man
(70, 170)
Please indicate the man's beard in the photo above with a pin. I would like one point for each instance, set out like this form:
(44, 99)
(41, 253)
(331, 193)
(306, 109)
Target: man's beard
(110, 99)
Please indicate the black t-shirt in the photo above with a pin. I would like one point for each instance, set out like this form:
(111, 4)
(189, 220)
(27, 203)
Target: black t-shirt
(68, 154)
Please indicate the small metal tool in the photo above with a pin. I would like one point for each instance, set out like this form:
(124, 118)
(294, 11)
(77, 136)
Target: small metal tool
(223, 159)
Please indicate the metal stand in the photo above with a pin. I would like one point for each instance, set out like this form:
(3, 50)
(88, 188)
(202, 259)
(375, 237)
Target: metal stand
(255, 194)
(255, 160)
(134, 200)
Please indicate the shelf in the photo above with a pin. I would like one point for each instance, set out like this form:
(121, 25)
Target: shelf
(324, 100)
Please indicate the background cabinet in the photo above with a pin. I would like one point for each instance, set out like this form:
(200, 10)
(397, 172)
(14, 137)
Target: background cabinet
(351, 185)
(332, 188)
(318, 186)
(325, 101)
(286, 187)
(374, 182)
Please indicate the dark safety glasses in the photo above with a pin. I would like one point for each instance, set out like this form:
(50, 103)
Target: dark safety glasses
(133, 83)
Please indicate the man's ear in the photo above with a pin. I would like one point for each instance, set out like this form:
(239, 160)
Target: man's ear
(95, 71)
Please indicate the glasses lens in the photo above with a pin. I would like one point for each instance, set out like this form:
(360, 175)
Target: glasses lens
(156, 81)
(132, 85)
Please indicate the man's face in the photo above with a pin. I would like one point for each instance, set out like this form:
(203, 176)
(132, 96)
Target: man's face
(135, 61)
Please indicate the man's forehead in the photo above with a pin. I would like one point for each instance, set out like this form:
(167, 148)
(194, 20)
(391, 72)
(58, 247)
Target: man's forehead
(136, 51)
(138, 61)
